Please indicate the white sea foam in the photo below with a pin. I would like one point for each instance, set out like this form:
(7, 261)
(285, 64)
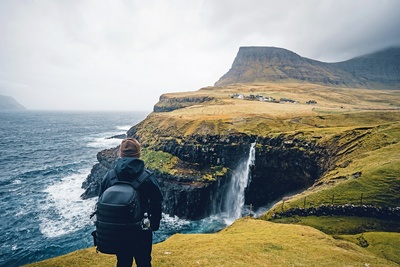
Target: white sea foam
(124, 127)
(104, 142)
(64, 211)
(173, 222)
(17, 181)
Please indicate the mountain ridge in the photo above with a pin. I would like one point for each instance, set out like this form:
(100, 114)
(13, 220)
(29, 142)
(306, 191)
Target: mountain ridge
(375, 66)
(272, 64)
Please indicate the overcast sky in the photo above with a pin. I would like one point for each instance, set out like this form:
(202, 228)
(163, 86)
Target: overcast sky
(122, 55)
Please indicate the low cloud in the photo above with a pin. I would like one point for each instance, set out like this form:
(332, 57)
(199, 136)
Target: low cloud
(122, 55)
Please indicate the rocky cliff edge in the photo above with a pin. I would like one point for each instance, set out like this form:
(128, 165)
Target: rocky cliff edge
(307, 138)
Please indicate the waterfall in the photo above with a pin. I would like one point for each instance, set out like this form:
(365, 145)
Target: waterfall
(234, 197)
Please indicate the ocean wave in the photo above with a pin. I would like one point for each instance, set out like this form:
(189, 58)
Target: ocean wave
(124, 127)
(104, 142)
(50, 168)
(63, 211)
(108, 139)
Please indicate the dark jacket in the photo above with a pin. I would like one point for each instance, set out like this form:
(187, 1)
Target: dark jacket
(151, 197)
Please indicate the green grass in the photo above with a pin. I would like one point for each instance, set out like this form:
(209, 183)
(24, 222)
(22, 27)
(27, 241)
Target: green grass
(162, 161)
(366, 171)
(167, 163)
(385, 245)
(250, 242)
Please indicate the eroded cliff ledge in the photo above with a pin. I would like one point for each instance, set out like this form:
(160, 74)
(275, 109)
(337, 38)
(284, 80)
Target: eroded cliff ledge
(195, 147)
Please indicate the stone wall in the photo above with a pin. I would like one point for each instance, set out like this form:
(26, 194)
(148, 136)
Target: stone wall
(385, 213)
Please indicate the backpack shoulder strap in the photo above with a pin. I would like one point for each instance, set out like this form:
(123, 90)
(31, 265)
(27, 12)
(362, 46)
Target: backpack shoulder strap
(141, 178)
(113, 177)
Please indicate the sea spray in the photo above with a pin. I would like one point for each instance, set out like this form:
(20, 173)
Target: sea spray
(63, 211)
(235, 194)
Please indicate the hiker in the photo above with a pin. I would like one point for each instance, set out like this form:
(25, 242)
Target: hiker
(129, 167)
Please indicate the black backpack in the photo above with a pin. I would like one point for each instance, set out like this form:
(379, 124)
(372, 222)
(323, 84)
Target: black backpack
(119, 214)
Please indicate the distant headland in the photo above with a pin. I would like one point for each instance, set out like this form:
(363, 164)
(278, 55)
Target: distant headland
(9, 103)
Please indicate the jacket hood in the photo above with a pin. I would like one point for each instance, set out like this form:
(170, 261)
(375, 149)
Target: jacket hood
(127, 168)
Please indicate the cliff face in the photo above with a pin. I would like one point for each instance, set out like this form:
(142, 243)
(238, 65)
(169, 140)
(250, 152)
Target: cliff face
(106, 159)
(203, 164)
(282, 165)
(270, 64)
(169, 104)
(194, 141)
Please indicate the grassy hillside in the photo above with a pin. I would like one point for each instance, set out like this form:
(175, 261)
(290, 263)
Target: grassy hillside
(367, 172)
(336, 107)
(250, 242)
(363, 126)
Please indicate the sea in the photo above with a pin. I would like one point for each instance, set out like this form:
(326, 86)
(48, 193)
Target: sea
(44, 158)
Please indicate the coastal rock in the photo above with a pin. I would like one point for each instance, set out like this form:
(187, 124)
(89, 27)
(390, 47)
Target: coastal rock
(118, 136)
(279, 168)
(166, 104)
(106, 159)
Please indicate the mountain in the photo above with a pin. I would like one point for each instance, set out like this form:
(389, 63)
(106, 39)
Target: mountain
(9, 103)
(271, 64)
(380, 67)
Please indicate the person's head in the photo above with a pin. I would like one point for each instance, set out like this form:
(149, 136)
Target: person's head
(130, 147)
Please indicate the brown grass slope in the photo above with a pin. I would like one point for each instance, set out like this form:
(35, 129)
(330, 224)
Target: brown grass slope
(224, 114)
(248, 242)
